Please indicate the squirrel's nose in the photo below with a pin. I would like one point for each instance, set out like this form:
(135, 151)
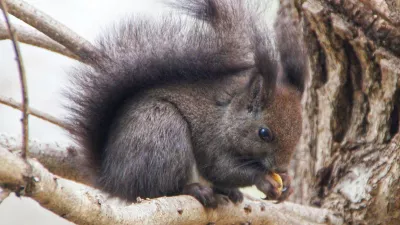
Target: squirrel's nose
(281, 170)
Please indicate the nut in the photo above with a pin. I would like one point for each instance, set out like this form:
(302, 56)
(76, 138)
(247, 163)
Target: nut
(278, 179)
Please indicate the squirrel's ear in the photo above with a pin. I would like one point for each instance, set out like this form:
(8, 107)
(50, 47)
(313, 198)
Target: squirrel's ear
(293, 57)
(262, 84)
(258, 93)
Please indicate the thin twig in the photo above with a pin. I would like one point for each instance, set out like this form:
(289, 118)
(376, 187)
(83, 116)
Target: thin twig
(33, 37)
(53, 29)
(44, 116)
(24, 88)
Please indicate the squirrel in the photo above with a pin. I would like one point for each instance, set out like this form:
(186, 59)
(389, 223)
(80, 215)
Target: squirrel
(199, 105)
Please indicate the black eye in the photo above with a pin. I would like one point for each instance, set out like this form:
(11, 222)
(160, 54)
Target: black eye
(266, 134)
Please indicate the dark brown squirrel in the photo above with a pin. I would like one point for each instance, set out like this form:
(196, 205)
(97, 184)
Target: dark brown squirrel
(180, 100)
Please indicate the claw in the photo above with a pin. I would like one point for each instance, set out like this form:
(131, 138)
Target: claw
(275, 186)
(205, 195)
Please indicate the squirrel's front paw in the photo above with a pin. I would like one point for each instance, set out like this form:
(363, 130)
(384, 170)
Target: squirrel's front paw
(287, 188)
(275, 187)
(204, 194)
(233, 194)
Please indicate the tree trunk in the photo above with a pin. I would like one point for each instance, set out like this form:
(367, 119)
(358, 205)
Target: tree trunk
(348, 157)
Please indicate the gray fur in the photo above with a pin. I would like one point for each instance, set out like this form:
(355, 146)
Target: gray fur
(180, 93)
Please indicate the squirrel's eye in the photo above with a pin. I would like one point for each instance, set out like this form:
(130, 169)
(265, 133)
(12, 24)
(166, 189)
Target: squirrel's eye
(266, 134)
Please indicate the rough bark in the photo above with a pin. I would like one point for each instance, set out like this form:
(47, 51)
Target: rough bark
(348, 157)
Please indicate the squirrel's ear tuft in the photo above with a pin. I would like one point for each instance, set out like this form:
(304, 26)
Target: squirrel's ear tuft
(207, 10)
(293, 56)
(262, 85)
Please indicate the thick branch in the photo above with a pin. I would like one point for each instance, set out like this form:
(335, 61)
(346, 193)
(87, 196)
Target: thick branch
(33, 37)
(83, 205)
(53, 29)
(65, 161)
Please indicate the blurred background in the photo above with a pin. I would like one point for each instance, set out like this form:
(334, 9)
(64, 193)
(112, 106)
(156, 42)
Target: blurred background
(46, 76)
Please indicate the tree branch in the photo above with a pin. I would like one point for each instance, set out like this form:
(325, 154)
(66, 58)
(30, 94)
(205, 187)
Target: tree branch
(31, 36)
(65, 161)
(84, 205)
(55, 30)
(22, 78)
(44, 116)
(3, 194)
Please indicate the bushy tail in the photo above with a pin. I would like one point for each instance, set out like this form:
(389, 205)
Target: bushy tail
(225, 38)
